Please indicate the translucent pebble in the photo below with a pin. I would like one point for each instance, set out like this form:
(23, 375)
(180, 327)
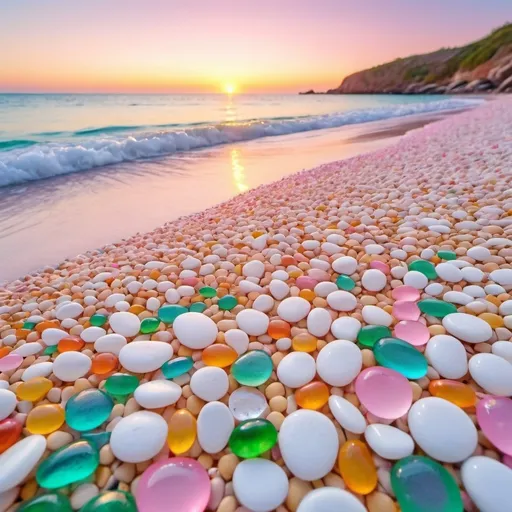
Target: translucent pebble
(219, 355)
(370, 334)
(182, 431)
(252, 438)
(252, 368)
(494, 415)
(425, 267)
(34, 389)
(405, 293)
(45, 419)
(304, 342)
(121, 384)
(247, 403)
(405, 310)
(111, 501)
(415, 333)
(312, 396)
(436, 308)
(176, 367)
(170, 312)
(104, 363)
(400, 356)
(50, 502)
(454, 391)
(10, 432)
(70, 344)
(149, 325)
(88, 409)
(357, 467)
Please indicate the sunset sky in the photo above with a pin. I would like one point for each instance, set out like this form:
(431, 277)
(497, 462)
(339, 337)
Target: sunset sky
(203, 45)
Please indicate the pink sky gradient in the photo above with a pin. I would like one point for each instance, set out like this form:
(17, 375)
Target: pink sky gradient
(200, 45)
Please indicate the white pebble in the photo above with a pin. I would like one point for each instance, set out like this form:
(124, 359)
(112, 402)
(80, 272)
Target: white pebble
(492, 373)
(253, 268)
(347, 414)
(209, 383)
(416, 279)
(157, 393)
(374, 280)
(389, 442)
(346, 328)
(342, 301)
(252, 322)
(8, 403)
(293, 309)
(195, 330)
(238, 340)
(344, 265)
(339, 362)
(296, 369)
(124, 323)
(214, 426)
(70, 366)
(374, 315)
(319, 322)
(330, 499)
(447, 356)
(112, 343)
(467, 328)
(144, 356)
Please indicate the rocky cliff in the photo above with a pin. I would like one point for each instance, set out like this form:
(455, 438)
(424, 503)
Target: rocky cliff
(482, 66)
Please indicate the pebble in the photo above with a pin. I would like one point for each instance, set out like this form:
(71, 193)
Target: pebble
(209, 383)
(238, 340)
(157, 393)
(389, 442)
(357, 467)
(344, 265)
(252, 368)
(347, 414)
(342, 301)
(329, 499)
(374, 315)
(292, 309)
(252, 322)
(319, 322)
(467, 328)
(296, 369)
(111, 343)
(71, 366)
(338, 363)
(88, 409)
(248, 403)
(125, 323)
(447, 355)
(492, 373)
(345, 328)
(8, 402)
(449, 273)
(214, 426)
(195, 330)
(503, 349)
(144, 356)
(494, 415)
(374, 280)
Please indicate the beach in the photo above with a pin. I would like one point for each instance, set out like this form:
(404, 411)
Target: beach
(316, 343)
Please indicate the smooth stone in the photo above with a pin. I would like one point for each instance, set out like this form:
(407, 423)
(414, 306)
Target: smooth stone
(389, 442)
(492, 373)
(10, 432)
(339, 362)
(149, 325)
(442, 430)
(347, 414)
(342, 301)
(422, 485)
(178, 484)
(91, 334)
(8, 403)
(344, 328)
(415, 333)
(253, 268)
(176, 367)
(447, 255)
(424, 267)
(219, 355)
(169, 312)
(370, 334)
(447, 356)
(70, 366)
(121, 384)
(467, 328)
(479, 253)
(98, 320)
(252, 322)
(454, 391)
(28, 349)
(214, 426)
(125, 323)
(374, 315)
(111, 343)
(345, 283)
(502, 276)
(344, 265)
(408, 293)
(69, 310)
(252, 438)
(434, 289)
(227, 303)
(97, 439)
(401, 357)
(248, 403)
(10, 362)
(195, 330)
(488, 483)
(379, 265)
(357, 467)
(457, 298)
(260, 485)
(209, 383)
(374, 280)
(182, 431)
(19, 460)
(51, 502)
(319, 322)
(145, 356)
(139, 436)
(157, 393)
(502, 349)
(494, 415)
(384, 392)
(292, 309)
(88, 409)
(449, 273)
(309, 444)
(111, 501)
(472, 274)
(237, 340)
(208, 292)
(436, 308)
(415, 279)
(330, 499)
(252, 368)
(52, 336)
(197, 307)
(263, 303)
(405, 310)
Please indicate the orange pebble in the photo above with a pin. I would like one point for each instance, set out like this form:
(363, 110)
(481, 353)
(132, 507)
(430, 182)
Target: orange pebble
(295, 273)
(42, 326)
(103, 363)
(279, 329)
(312, 396)
(154, 274)
(4, 351)
(219, 355)
(287, 260)
(454, 391)
(70, 343)
(357, 467)
(309, 295)
(304, 342)
(136, 309)
(493, 320)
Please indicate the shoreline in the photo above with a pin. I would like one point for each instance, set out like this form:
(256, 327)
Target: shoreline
(246, 163)
(358, 313)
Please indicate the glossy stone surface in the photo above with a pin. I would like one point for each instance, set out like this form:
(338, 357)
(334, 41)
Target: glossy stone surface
(219, 355)
(68, 464)
(70, 344)
(247, 403)
(422, 485)
(415, 333)
(278, 329)
(45, 419)
(312, 396)
(51, 502)
(149, 325)
(180, 483)
(304, 342)
(208, 292)
(168, 313)
(104, 363)
(197, 307)
(436, 308)
(227, 302)
(406, 310)
(176, 367)
(447, 255)
(454, 391)
(97, 320)
(111, 501)
(357, 467)
(10, 432)
(10, 362)
(252, 437)
(182, 431)
(252, 368)
(425, 267)
(401, 357)
(494, 415)
(405, 292)
(88, 409)
(34, 389)
(121, 384)
(370, 334)
(96, 439)
(345, 283)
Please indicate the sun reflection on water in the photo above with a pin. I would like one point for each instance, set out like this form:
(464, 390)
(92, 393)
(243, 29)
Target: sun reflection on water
(238, 171)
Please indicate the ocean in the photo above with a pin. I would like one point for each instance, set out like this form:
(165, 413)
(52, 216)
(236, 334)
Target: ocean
(47, 135)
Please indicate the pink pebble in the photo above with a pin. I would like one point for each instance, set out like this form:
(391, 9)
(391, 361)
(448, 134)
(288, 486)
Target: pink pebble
(405, 293)
(415, 333)
(189, 281)
(305, 283)
(507, 460)
(319, 275)
(379, 265)
(178, 484)
(494, 415)
(405, 310)
(10, 362)
(384, 392)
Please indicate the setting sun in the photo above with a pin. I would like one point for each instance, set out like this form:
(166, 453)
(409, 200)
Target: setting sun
(229, 88)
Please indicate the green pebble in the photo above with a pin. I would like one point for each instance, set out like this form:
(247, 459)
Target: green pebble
(227, 302)
(51, 502)
(111, 501)
(422, 485)
(97, 320)
(29, 325)
(345, 283)
(97, 439)
(447, 255)
(176, 367)
(67, 465)
(48, 351)
(208, 292)
(88, 409)
(252, 437)
(197, 307)
(252, 368)
(436, 308)
(121, 384)
(167, 314)
(425, 267)
(400, 356)
(149, 325)
(370, 334)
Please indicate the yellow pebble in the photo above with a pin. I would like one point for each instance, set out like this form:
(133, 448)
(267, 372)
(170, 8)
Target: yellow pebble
(34, 389)
(45, 419)
(493, 320)
(182, 431)
(304, 342)
(357, 467)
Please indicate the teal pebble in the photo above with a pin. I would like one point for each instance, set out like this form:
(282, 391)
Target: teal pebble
(252, 368)
(176, 367)
(88, 409)
(345, 283)
(400, 356)
(208, 292)
(167, 314)
(227, 302)
(197, 307)
(97, 439)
